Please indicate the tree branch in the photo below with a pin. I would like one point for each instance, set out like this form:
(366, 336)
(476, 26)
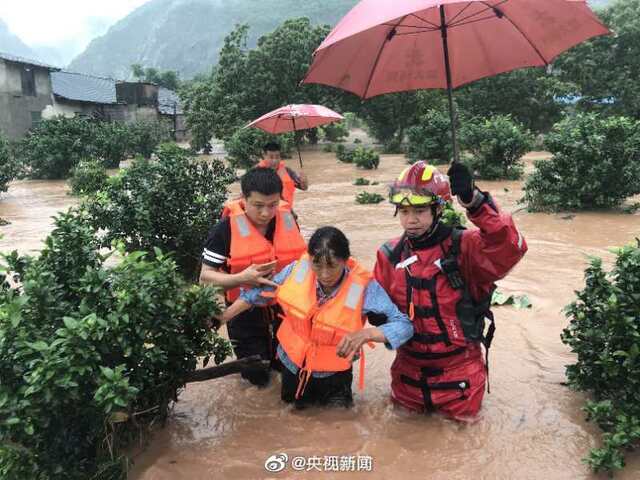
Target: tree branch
(229, 368)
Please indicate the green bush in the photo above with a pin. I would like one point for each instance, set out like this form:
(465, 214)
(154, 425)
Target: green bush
(431, 139)
(112, 142)
(169, 204)
(366, 158)
(53, 147)
(344, 154)
(91, 355)
(604, 333)
(88, 177)
(357, 141)
(361, 181)
(497, 145)
(8, 165)
(145, 136)
(365, 198)
(244, 147)
(334, 132)
(328, 147)
(452, 217)
(595, 164)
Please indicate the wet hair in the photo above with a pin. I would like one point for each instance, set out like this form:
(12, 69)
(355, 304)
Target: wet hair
(328, 243)
(262, 180)
(271, 147)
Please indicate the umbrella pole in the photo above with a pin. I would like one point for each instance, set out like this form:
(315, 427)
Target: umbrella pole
(295, 138)
(447, 67)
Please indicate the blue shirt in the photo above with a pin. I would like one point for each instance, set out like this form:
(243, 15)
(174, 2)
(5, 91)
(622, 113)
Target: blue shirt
(397, 330)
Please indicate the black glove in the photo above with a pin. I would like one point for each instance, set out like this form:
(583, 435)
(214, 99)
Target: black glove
(461, 181)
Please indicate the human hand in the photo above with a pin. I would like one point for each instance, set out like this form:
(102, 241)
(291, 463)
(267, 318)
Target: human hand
(256, 274)
(352, 342)
(461, 180)
(304, 180)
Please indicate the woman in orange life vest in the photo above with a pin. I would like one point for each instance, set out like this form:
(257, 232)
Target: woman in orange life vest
(290, 180)
(325, 297)
(443, 278)
(256, 239)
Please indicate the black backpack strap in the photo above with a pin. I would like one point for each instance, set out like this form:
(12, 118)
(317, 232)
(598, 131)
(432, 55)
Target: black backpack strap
(468, 309)
(394, 253)
(449, 263)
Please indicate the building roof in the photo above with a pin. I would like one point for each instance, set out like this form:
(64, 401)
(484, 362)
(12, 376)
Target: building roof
(166, 101)
(27, 61)
(83, 88)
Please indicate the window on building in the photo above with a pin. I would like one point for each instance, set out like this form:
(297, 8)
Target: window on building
(36, 117)
(28, 81)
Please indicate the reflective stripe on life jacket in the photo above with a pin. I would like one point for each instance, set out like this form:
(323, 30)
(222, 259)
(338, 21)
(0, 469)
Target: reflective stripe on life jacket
(249, 246)
(288, 185)
(310, 332)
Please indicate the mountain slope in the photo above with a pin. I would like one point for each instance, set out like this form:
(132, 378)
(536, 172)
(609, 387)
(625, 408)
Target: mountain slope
(186, 35)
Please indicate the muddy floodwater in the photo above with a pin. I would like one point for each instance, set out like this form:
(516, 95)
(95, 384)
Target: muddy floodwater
(531, 426)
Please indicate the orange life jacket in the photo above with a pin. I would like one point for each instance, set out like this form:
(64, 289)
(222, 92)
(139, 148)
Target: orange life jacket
(309, 332)
(237, 207)
(288, 185)
(249, 246)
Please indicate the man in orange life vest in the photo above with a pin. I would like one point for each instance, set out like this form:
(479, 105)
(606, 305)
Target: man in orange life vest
(244, 249)
(443, 278)
(290, 179)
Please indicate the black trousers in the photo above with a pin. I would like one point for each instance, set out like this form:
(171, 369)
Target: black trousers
(334, 391)
(254, 333)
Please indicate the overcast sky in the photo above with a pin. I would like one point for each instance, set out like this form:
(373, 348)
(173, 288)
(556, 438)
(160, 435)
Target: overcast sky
(68, 25)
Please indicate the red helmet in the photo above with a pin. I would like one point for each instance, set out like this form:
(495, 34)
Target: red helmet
(420, 184)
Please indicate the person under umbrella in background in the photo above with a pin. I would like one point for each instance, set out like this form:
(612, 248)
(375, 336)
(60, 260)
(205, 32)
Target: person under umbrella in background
(443, 278)
(271, 158)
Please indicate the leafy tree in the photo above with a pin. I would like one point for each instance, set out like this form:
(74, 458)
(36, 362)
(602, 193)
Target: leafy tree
(92, 353)
(430, 138)
(497, 145)
(344, 154)
(604, 333)
(529, 95)
(247, 83)
(168, 204)
(145, 136)
(168, 79)
(595, 164)
(88, 177)
(366, 158)
(606, 68)
(8, 165)
(52, 148)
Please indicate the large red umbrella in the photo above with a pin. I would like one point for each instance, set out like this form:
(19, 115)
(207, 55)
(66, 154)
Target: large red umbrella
(393, 46)
(295, 117)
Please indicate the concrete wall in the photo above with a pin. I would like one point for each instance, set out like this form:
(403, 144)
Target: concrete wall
(69, 109)
(134, 113)
(15, 108)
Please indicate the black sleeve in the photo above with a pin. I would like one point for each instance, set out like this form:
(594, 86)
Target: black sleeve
(217, 247)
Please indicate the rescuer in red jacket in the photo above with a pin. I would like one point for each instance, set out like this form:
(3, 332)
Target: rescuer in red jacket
(443, 278)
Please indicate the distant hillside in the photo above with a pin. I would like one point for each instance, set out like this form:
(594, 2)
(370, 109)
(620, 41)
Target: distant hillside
(186, 35)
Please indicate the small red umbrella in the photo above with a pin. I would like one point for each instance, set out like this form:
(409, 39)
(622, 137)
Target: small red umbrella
(295, 117)
(393, 46)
